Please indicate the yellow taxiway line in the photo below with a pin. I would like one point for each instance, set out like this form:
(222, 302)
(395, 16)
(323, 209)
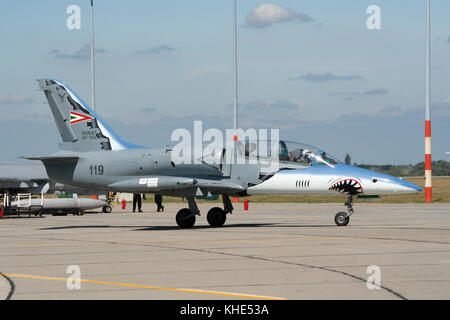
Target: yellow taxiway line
(218, 293)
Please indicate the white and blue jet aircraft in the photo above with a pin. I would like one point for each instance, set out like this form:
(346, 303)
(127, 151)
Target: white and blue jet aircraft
(92, 156)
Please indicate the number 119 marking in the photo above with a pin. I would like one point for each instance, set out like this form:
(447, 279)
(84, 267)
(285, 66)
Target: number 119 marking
(97, 170)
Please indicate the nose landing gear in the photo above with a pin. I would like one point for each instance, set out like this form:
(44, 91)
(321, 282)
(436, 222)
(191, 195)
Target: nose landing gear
(342, 218)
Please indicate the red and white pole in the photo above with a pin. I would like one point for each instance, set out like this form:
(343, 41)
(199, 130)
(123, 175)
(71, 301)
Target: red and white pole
(428, 165)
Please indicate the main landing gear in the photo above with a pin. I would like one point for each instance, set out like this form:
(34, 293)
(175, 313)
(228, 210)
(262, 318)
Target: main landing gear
(343, 218)
(216, 216)
(186, 217)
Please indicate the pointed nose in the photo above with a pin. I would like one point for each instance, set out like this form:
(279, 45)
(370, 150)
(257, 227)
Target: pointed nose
(410, 186)
(384, 184)
(400, 186)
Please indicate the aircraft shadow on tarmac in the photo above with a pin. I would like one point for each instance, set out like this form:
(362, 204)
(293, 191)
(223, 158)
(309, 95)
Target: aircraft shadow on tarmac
(240, 225)
(138, 228)
(163, 228)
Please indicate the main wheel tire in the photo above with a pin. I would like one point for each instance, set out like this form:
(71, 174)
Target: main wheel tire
(216, 217)
(185, 219)
(341, 219)
(107, 209)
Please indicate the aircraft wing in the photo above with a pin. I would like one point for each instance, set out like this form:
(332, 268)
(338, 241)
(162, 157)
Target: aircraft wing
(219, 186)
(177, 185)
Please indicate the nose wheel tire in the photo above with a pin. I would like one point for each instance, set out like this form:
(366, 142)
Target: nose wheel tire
(216, 217)
(185, 219)
(107, 209)
(341, 219)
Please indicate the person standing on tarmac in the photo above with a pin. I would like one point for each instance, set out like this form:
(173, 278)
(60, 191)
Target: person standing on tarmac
(137, 198)
(158, 201)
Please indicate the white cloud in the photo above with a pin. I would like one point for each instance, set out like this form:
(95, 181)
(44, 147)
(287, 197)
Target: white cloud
(376, 92)
(266, 14)
(82, 54)
(207, 71)
(14, 98)
(327, 76)
(160, 49)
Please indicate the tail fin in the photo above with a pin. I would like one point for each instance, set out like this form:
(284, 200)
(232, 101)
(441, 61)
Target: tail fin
(81, 129)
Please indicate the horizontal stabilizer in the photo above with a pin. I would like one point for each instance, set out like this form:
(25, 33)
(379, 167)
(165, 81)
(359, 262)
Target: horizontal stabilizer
(57, 158)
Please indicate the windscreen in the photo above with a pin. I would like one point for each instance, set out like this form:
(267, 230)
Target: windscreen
(305, 154)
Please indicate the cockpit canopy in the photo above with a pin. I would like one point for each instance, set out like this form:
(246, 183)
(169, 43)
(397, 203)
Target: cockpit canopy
(271, 156)
(304, 154)
(288, 152)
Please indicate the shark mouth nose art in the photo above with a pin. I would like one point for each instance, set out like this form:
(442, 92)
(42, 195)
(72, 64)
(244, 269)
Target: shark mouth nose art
(347, 186)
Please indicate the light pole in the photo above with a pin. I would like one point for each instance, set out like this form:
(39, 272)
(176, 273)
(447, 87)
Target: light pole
(92, 56)
(235, 98)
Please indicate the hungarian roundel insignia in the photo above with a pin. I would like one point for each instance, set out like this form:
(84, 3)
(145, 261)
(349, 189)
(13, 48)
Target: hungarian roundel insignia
(76, 117)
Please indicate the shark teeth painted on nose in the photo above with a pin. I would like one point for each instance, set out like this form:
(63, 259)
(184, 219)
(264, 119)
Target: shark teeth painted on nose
(347, 186)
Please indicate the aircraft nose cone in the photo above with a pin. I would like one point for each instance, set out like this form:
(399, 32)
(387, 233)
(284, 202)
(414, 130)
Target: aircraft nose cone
(410, 185)
(380, 183)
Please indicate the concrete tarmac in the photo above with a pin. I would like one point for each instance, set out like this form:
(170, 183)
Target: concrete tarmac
(288, 251)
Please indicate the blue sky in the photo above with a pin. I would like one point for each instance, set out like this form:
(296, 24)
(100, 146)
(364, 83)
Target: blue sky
(324, 79)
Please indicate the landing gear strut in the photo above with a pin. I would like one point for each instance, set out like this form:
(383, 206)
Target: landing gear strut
(227, 205)
(342, 218)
